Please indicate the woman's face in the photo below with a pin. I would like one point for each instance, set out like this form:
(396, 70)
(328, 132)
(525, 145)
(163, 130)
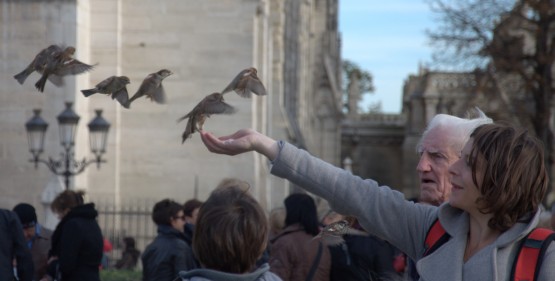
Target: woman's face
(465, 193)
(178, 221)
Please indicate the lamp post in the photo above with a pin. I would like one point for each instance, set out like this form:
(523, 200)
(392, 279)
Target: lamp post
(66, 165)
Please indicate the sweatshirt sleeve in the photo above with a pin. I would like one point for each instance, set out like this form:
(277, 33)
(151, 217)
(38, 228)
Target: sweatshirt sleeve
(381, 211)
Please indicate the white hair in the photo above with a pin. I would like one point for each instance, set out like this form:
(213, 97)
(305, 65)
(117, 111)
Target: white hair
(459, 129)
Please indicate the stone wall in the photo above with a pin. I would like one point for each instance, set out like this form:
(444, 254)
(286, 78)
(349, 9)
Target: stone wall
(205, 44)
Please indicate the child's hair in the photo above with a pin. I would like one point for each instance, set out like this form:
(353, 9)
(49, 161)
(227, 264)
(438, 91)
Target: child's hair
(232, 230)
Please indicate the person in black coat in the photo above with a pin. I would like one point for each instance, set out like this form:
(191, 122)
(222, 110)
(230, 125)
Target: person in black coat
(77, 241)
(361, 257)
(130, 255)
(168, 253)
(13, 247)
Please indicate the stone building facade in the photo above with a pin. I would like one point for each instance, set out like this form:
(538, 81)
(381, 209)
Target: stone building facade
(383, 147)
(294, 45)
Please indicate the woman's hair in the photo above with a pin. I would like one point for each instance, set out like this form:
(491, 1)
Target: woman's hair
(514, 176)
(232, 230)
(67, 200)
(300, 208)
(164, 211)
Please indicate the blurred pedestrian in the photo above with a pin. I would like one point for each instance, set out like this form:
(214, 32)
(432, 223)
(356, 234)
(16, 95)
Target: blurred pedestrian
(190, 209)
(294, 254)
(361, 256)
(15, 257)
(77, 241)
(129, 256)
(37, 238)
(107, 248)
(277, 221)
(168, 253)
(231, 234)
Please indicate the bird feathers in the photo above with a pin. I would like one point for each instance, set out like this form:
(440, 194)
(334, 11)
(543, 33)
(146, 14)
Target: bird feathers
(245, 83)
(211, 104)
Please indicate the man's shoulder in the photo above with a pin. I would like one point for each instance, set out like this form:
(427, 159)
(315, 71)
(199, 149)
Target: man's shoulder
(46, 232)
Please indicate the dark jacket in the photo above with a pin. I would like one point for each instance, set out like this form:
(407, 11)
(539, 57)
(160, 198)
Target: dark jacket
(361, 257)
(12, 245)
(188, 231)
(167, 255)
(293, 252)
(41, 244)
(129, 259)
(77, 242)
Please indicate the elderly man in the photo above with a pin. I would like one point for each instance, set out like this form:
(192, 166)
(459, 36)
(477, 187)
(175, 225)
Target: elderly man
(439, 147)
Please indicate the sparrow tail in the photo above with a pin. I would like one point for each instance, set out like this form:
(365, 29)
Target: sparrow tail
(89, 92)
(20, 77)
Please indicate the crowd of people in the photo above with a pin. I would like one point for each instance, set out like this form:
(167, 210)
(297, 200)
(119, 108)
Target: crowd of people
(482, 182)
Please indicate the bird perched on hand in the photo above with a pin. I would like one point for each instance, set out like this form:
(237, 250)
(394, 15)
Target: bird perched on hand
(114, 85)
(245, 83)
(211, 104)
(38, 65)
(61, 63)
(152, 87)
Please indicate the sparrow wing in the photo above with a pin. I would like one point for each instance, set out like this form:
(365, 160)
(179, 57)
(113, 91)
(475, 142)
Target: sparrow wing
(218, 107)
(188, 114)
(118, 83)
(254, 85)
(233, 85)
(121, 96)
(56, 80)
(72, 67)
(158, 95)
(105, 85)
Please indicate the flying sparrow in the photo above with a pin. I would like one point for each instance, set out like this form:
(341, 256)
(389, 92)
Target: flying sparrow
(61, 63)
(114, 85)
(152, 87)
(245, 83)
(38, 65)
(211, 104)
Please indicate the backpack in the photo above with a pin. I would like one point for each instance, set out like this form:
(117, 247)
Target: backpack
(527, 264)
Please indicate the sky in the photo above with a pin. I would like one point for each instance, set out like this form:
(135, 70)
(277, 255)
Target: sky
(387, 39)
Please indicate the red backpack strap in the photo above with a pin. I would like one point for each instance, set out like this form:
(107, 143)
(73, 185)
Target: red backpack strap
(435, 237)
(530, 254)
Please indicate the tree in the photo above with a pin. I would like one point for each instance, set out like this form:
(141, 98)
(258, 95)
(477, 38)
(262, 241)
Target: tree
(506, 40)
(357, 82)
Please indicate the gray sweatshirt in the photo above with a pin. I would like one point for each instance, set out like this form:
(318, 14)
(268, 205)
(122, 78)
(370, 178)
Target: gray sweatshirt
(203, 274)
(385, 213)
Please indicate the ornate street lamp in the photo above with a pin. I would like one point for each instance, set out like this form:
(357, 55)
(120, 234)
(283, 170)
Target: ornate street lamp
(67, 166)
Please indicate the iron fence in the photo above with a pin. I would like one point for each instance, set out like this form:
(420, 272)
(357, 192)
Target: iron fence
(132, 219)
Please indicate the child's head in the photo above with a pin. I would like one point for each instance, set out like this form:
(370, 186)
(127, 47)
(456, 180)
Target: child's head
(232, 230)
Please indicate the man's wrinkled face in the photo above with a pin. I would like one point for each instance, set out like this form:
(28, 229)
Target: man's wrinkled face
(433, 167)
